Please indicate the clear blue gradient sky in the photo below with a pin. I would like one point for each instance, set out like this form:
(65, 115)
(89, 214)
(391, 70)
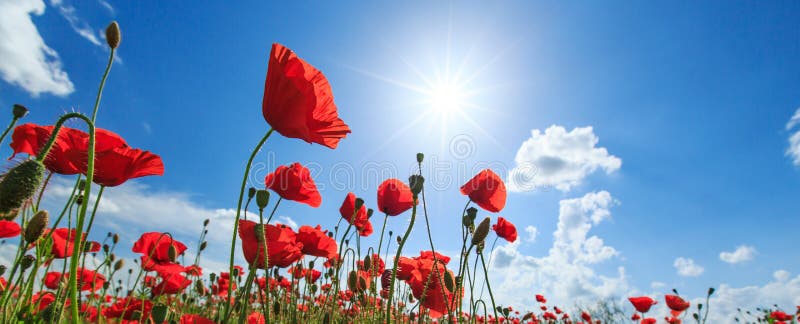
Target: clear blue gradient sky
(693, 98)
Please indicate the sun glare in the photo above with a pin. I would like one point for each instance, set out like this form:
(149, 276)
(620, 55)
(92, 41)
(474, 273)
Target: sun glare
(446, 97)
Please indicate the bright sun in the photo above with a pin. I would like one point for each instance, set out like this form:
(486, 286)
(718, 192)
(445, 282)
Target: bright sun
(446, 97)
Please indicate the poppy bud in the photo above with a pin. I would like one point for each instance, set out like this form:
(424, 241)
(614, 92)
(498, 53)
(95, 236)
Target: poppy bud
(352, 281)
(115, 239)
(359, 203)
(2, 269)
(172, 253)
(314, 288)
(367, 263)
(362, 283)
(205, 222)
(106, 248)
(449, 281)
(481, 231)
(711, 291)
(79, 200)
(18, 185)
(415, 183)
(113, 35)
(119, 264)
(106, 285)
(199, 288)
(311, 264)
(36, 226)
(262, 199)
(212, 276)
(469, 218)
(27, 262)
(251, 192)
(420, 157)
(399, 239)
(235, 272)
(369, 212)
(19, 111)
(203, 245)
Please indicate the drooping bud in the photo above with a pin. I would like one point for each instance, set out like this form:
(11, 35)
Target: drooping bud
(420, 157)
(113, 35)
(27, 261)
(262, 199)
(19, 111)
(481, 231)
(449, 281)
(19, 185)
(172, 253)
(359, 203)
(352, 281)
(367, 263)
(415, 182)
(36, 226)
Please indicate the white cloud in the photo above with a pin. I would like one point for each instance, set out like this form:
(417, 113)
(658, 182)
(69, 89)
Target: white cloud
(565, 275)
(687, 268)
(532, 233)
(783, 291)
(25, 59)
(78, 25)
(288, 221)
(742, 253)
(107, 6)
(794, 140)
(560, 159)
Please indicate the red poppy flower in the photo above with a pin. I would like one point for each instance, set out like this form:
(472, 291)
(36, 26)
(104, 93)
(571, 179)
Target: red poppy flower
(194, 270)
(41, 300)
(298, 101)
(505, 229)
(425, 280)
(89, 280)
(294, 183)
(53, 279)
(586, 317)
(62, 239)
(316, 242)
(69, 152)
(92, 246)
(642, 304)
(649, 320)
(541, 299)
(487, 190)
(358, 219)
(171, 284)
(125, 308)
(194, 319)
(282, 244)
(780, 316)
(9, 229)
(156, 246)
(676, 303)
(255, 318)
(394, 197)
(115, 166)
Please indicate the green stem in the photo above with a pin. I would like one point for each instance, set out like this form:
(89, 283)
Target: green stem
(238, 213)
(488, 286)
(10, 126)
(397, 260)
(102, 84)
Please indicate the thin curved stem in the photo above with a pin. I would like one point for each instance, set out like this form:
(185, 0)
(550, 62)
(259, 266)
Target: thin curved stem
(488, 286)
(102, 84)
(238, 213)
(397, 260)
(10, 126)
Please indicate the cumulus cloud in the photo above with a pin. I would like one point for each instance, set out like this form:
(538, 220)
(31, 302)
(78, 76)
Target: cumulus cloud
(532, 233)
(742, 253)
(25, 59)
(566, 275)
(559, 159)
(794, 140)
(687, 268)
(783, 291)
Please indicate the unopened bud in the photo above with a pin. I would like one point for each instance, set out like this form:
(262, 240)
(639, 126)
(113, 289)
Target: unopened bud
(359, 203)
(205, 222)
(19, 111)
(449, 281)
(27, 262)
(119, 264)
(172, 253)
(113, 35)
(367, 263)
(262, 199)
(481, 231)
(416, 182)
(251, 192)
(420, 157)
(36, 226)
(203, 245)
(369, 212)
(352, 281)
(18, 185)
(2, 269)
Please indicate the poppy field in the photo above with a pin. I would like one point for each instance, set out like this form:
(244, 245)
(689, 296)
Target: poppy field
(318, 273)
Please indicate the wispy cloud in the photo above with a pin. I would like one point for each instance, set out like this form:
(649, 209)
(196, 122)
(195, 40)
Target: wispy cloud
(26, 60)
(794, 140)
(79, 25)
(107, 6)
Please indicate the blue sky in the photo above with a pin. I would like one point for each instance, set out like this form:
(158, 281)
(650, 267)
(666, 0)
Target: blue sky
(688, 103)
